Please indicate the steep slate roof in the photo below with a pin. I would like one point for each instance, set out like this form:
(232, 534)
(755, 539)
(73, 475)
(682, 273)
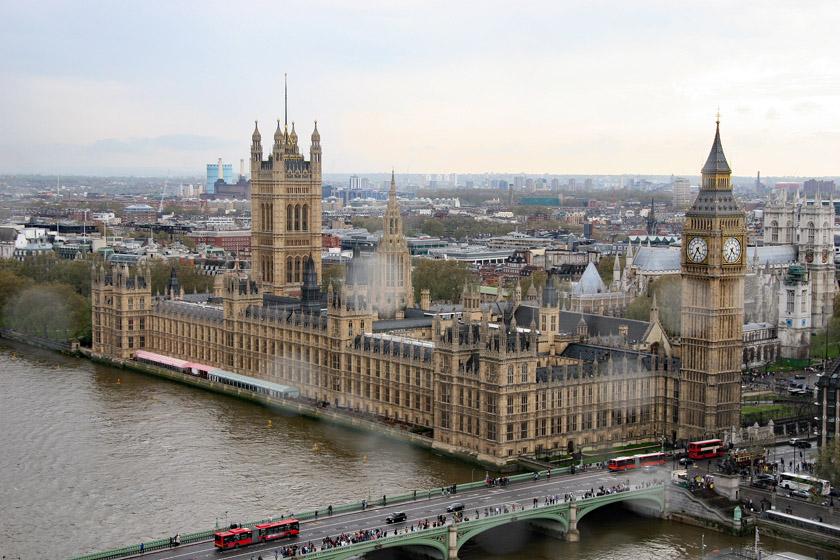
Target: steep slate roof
(600, 325)
(772, 254)
(399, 324)
(658, 259)
(590, 353)
(716, 163)
(8, 234)
(597, 325)
(590, 283)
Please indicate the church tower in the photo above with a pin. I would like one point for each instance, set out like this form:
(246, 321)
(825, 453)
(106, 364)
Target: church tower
(713, 270)
(285, 211)
(392, 288)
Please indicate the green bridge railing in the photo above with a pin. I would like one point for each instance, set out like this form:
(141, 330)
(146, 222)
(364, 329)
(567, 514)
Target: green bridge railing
(200, 536)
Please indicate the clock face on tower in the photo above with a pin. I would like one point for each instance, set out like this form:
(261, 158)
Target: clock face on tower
(732, 250)
(697, 249)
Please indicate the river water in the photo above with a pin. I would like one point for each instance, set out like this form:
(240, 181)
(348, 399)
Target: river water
(95, 458)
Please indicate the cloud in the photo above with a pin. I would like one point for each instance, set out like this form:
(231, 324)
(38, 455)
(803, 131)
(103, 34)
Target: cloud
(772, 114)
(178, 142)
(807, 108)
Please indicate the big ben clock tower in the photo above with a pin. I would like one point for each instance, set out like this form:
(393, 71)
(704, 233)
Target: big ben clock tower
(713, 268)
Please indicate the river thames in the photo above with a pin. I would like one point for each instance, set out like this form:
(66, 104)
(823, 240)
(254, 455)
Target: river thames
(97, 458)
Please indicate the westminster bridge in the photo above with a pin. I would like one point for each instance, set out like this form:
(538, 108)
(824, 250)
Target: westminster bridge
(553, 504)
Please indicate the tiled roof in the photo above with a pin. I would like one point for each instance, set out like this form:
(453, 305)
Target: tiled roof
(590, 282)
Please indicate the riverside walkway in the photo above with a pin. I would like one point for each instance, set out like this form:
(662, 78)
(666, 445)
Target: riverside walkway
(555, 504)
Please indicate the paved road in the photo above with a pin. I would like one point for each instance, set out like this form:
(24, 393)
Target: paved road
(423, 509)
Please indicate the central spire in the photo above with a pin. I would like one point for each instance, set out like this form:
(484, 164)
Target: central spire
(393, 186)
(716, 163)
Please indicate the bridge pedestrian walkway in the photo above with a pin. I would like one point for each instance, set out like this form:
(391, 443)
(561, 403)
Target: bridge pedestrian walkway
(446, 540)
(558, 516)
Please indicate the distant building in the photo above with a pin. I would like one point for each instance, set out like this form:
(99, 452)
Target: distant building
(682, 191)
(139, 214)
(216, 171)
(232, 241)
(814, 186)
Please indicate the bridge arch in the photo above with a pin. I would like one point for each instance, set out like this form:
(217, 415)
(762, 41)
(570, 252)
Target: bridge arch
(434, 539)
(654, 501)
(472, 529)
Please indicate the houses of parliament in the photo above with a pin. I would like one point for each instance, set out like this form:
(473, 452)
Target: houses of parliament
(493, 381)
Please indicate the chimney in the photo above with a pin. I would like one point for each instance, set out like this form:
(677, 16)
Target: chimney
(242, 168)
(221, 176)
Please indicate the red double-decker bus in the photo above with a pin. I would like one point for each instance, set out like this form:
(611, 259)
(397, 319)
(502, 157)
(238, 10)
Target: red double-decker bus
(649, 459)
(705, 449)
(625, 463)
(261, 532)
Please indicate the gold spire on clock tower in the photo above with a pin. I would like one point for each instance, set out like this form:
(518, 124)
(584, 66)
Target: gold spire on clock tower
(713, 269)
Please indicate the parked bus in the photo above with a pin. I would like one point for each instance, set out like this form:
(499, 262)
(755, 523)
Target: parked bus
(625, 463)
(705, 449)
(261, 532)
(796, 481)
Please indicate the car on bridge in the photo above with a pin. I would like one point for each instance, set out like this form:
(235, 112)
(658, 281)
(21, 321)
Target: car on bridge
(685, 461)
(457, 506)
(764, 483)
(800, 494)
(803, 443)
(396, 517)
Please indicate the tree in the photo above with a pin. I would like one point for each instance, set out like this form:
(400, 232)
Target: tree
(190, 278)
(11, 284)
(333, 274)
(433, 228)
(51, 310)
(444, 279)
(828, 461)
(639, 309)
(669, 301)
(537, 278)
(605, 267)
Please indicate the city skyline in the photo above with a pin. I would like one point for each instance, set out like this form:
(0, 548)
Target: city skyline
(596, 88)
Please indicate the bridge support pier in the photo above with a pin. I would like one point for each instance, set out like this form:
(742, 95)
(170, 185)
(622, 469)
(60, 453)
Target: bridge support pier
(573, 535)
(452, 542)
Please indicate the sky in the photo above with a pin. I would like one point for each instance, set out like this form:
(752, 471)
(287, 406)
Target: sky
(556, 87)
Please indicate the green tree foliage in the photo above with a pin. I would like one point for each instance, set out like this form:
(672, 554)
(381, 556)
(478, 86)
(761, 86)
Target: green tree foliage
(605, 267)
(187, 242)
(668, 301)
(51, 310)
(537, 278)
(433, 228)
(828, 461)
(50, 268)
(333, 273)
(11, 284)
(371, 224)
(190, 277)
(444, 279)
(826, 340)
(639, 309)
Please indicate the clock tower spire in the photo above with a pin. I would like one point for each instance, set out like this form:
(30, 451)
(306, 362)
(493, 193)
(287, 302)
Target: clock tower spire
(713, 269)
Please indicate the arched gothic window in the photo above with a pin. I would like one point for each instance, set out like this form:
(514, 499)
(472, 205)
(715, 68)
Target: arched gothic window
(297, 217)
(304, 218)
(289, 217)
